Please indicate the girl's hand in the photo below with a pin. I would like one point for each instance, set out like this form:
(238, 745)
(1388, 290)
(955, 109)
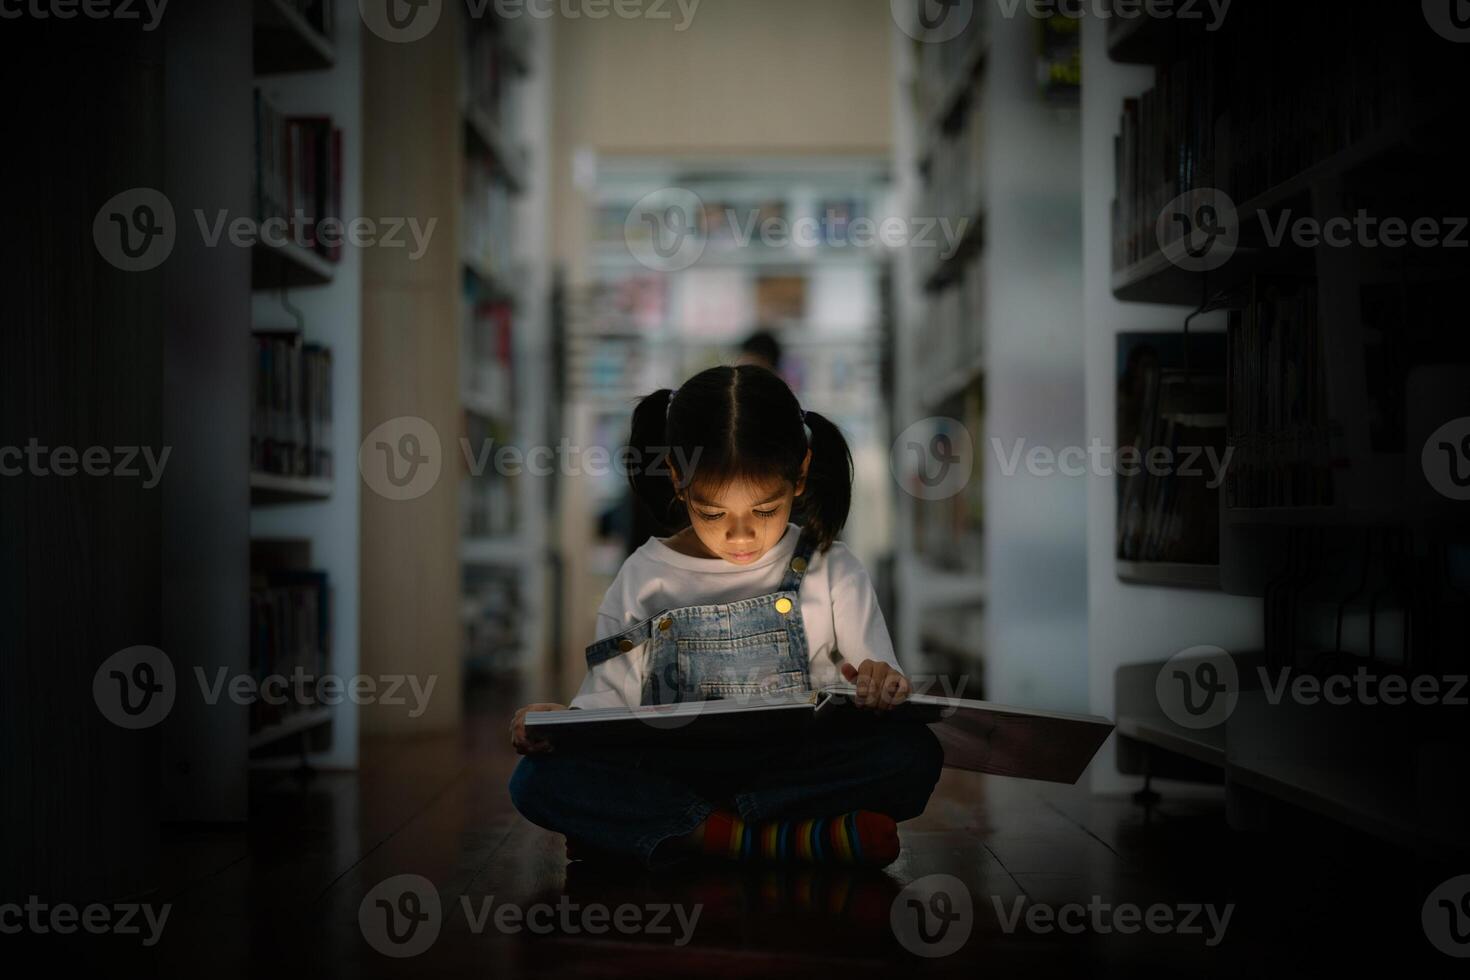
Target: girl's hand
(524, 744)
(880, 686)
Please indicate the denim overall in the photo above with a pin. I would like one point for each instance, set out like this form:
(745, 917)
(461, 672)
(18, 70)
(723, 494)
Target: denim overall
(750, 648)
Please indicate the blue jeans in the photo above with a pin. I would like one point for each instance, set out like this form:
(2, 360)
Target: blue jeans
(629, 802)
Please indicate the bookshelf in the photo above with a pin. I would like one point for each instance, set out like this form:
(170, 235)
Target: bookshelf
(304, 527)
(1338, 370)
(504, 368)
(981, 333)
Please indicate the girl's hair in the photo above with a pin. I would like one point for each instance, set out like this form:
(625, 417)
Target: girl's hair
(732, 423)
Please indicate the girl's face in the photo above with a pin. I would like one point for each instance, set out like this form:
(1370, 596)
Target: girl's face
(743, 520)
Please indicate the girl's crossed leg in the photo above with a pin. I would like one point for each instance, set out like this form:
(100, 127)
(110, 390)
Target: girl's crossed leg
(832, 794)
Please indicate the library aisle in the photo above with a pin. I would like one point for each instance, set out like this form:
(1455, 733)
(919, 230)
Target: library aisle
(602, 487)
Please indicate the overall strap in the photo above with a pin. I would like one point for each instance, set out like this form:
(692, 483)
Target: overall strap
(806, 546)
(619, 643)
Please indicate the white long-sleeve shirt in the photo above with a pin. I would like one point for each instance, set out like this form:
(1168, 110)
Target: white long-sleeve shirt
(839, 609)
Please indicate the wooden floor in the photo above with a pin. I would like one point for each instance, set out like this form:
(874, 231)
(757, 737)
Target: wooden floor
(282, 897)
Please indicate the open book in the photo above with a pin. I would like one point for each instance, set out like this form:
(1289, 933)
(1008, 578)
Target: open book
(977, 735)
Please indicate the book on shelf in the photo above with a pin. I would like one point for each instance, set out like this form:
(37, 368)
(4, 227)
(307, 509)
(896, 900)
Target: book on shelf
(297, 177)
(493, 617)
(488, 358)
(487, 227)
(487, 498)
(1280, 433)
(977, 736)
(949, 532)
(633, 303)
(290, 630)
(1170, 408)
(780, 299)
(1320, 417)
(291, 407)
(1246, 110)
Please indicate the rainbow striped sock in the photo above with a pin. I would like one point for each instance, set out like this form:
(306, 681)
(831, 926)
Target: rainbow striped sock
(859, 837)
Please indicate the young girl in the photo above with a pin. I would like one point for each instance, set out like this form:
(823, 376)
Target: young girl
(752, 595)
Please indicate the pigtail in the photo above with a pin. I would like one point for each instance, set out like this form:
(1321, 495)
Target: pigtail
(649, 475)
(828, 495)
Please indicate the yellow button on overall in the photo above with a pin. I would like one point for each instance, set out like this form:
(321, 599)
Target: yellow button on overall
(783, 605)
(625, 645)
(798, 564)
(665, 623)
